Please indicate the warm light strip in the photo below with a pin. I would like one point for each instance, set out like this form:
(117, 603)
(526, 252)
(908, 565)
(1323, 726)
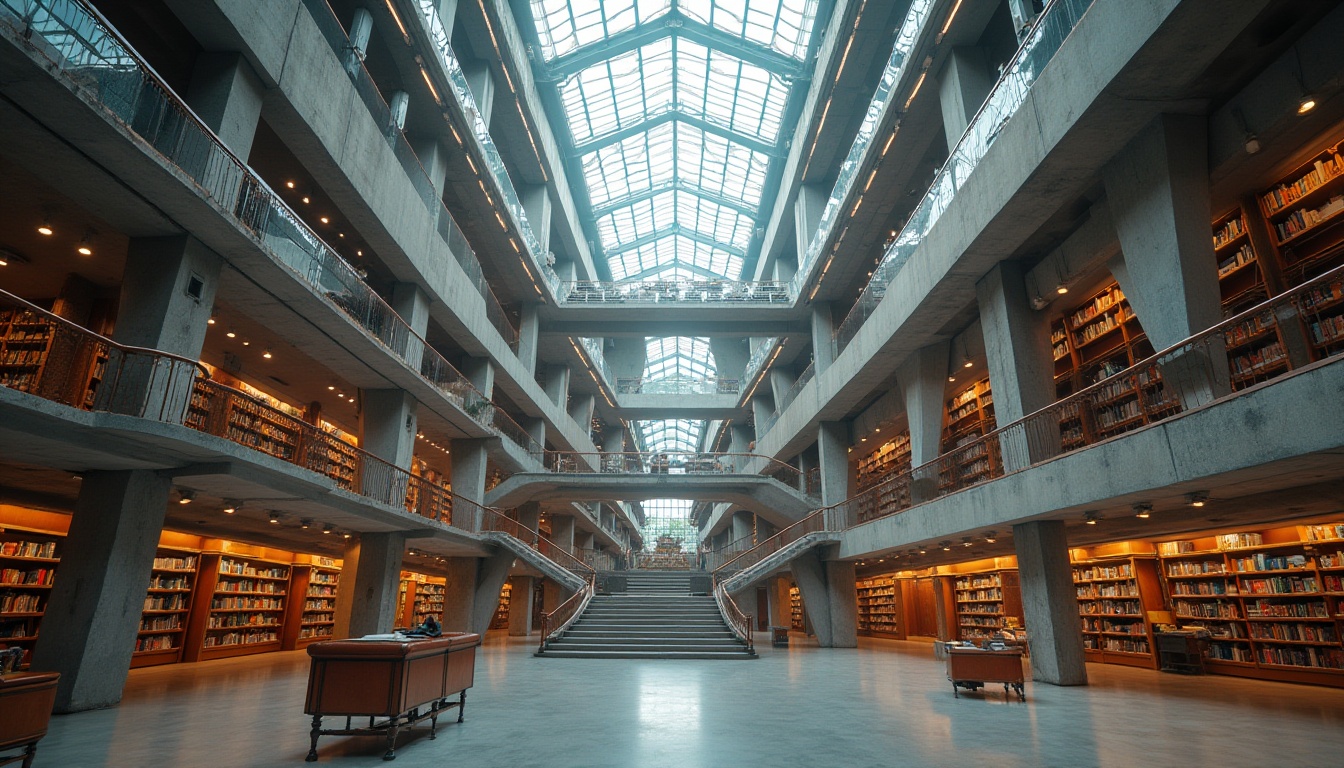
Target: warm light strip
(854, 210)
(514, 243)
(395, 17)
(456, 136)
(890, 139)
(915, 91)
(948, 24)
(500, 219)
(869, 183)
(473, 166)
(432, 90)
(827, 109)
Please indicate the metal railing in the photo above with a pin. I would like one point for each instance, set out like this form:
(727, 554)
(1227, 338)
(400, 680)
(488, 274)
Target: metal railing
(789, 396)
(761, 357)
(670, 463)
(93, 58)
(677, 385)
(1046, 37)
(738, 621)
(735, 292)
(554, 623)
(599, 559)
(1268, 340)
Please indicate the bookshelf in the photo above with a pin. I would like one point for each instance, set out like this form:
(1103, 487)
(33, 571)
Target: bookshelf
(984, 601)
(970, 415)
(419, 596)
(163, 622)
(796, 609)
(1304, 211)
(1241, 279)
(310, 615)
(1115, 595)
(25, 341)
(501, 619)
(240, 606)
(889, 459)
(1272, 600)
(879, 610)
(28, 562)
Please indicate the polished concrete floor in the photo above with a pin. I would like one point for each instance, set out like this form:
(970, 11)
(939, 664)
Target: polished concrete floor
(885, 704)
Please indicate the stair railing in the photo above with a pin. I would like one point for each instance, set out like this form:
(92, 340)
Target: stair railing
(553, 624)
(738, 622)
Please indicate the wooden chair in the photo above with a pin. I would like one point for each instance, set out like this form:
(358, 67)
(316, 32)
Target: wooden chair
(26, 701)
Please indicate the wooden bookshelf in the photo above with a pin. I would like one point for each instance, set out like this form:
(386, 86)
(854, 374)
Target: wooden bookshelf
(984, 602)
(796, 609)
(1305, 214)
(501, 619)
(888, 460)
(1241, 277)
(1115, 595)
(970, 415)
(420, 595)
(28, 563)
(1273, 600)
(25, 341)
(310, 614)
(878, 613)
(240, 606)
(163, 623)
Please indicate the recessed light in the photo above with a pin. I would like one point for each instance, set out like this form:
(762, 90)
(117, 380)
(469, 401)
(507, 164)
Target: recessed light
(247, 343)
(967, 364)
(266, 354)
(1199, 498)
(186, 496)
(289, 184)
(305, 200)
(46, 229)
(211, 321)
(1143, 510)
(1091, 517)
(275, 517)
(325, 220)
(1061, 290)
(326, 528)
(331, 388)
(232, 334)
(84, 250)
(1307, 104)
(306, 523)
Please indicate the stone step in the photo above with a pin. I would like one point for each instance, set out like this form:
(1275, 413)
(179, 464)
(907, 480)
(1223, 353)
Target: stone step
(655, 634)
(739, 653)
(647, 642)
(608, 623)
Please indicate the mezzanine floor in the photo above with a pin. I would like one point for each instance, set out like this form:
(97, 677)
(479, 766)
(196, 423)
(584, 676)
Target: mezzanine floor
(885, 704)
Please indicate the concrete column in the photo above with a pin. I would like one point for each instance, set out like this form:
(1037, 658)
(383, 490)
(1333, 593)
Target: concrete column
(411, 303)
(361, 25)
(830, 598)
(366, 598)
(481, 373)
(1049, 603)
(467, 476)
(481, 82)
(762, 408)
(529, 514)
(562, 532)
(730, 357)
(520, 605)
(807, 210)
(1021, 371)
(613, 439)
(226, 93)
(556, 384)
(833, 459)
(823, 336)
(537, 205)
(1158, 193)
(536, 429)
(396, 107)
(167, 296)
(962, 88)
(744, 526)
(433, 156)
(529, 329)
(387, 425)
(581, 410)
(93, 611)
(785, 266)
(472, 593)
(923, 381)
(780, 383)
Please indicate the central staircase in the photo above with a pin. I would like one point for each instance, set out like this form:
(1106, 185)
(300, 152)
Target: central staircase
(656, 618)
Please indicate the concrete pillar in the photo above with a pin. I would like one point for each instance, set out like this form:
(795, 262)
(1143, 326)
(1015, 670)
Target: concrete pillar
(481, 82)
(536, 429)
(1157, 188)
(581, 410)
(923, 381)
(396, 107)
(226, 94)
(556, 384)
(562, 532)
(481, 373)
(730, 358)
(433, 156)
(467, 476)
(740, 435)
(529, 514)
(807, 210)
(1049, 603)
(387, 425)
(780, 383)
(361, 25)
(93, 611)
(529, 329)
(537, 206)
(785, 266)
(1021, 370)
(613, 439)
(762, 409)
(520, 605)
(366, 598)
(411, 303)
(833, 459)
(472, 592)
(962, 88)
(830, 598)
(823, 336)
(744, 527)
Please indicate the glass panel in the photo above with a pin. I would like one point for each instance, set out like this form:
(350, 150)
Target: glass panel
(669, 517)
(785, 26)
(565, 25)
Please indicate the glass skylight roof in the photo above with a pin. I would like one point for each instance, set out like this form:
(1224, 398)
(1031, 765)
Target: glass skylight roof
(675, 357)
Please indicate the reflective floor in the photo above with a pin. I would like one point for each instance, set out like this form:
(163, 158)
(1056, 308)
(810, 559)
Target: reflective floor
(885, 704)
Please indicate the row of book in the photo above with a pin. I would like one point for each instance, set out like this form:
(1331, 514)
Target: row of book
(175, 563)
(161, 581)
(1322, 172)
(176, 602)
(1258, 361)
(1234, 228)
(1303, 219)
(246, 603)
(1098, 305)
(231, 620)
(44, 549)
(1249, 328)
(241, 638)
(23, 357)
(1263, 562)
(42, 577)
(20, 602)
(242, 568)
(1327, 329)
(247, 585)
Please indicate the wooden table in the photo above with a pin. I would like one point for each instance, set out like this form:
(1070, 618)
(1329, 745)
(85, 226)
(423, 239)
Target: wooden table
(401, 681)
(971, 668)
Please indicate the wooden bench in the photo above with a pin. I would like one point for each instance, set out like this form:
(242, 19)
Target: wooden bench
(403, 682)
(971, 668)
(26, 700)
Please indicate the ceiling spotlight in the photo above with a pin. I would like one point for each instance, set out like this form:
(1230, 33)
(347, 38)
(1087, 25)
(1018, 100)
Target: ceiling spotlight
(345, 535)
(951, 378)
(923, 551)
(946, 545)
(305, 523)
(266, 354)
(326, 528)
(289, 184)
(324, 220)
(1252, 144)
(275, 517)
(232, 334)
(1143, 510)
(340, 234)
(1091, 517)
(965, 541)
(84, 249)
(1307, 104)
(211, 321)
(247, 343)
(231, 506)
(990, 537)
(305, 200)
(46, 229)
(186, 496)
(1061, 290)
(331, 388)
(967, 364)
(1199, 498)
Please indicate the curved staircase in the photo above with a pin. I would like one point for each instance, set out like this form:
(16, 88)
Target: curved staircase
(655, 618)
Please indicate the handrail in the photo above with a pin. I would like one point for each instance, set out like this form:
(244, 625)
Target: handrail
(677, 385)
(694, 292)
(1189, 374)
(738, 621)
(557, 621)
(669, 462)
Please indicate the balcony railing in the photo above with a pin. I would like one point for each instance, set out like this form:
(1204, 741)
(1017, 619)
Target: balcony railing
(90, 55)
(1266, 341)
(696, 292)
(670, 463)
(677, 386)
(1051, 29)
(369, 93)
(788, 397)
